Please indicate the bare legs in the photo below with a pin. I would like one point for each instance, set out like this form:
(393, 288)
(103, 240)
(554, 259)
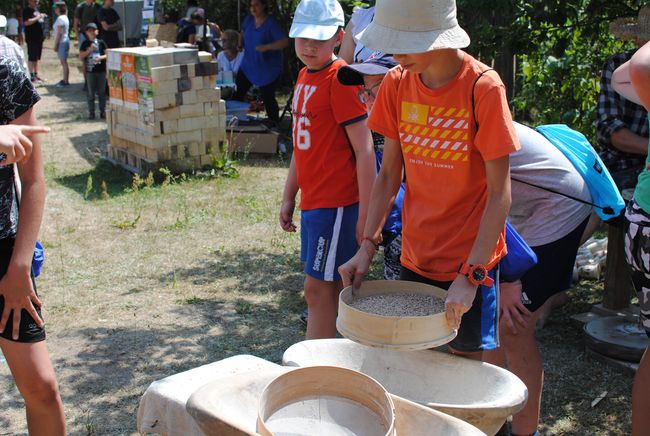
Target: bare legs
(641, 398)
(33, 372)
(322, 301)
(521, 353)
(66, 70)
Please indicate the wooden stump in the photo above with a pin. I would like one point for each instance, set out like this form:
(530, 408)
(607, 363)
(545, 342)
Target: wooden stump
(618, 283)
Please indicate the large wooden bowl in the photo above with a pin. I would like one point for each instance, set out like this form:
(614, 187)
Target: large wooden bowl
(405, 333)
(228, 407)
(481, 394)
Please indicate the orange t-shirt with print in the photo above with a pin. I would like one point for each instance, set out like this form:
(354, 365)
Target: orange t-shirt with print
(444, 161)
(325, 162)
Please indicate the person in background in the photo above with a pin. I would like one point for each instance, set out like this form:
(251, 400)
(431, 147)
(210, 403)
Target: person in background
(9, 48)
(62, 41)
(352, 50)
(229, 61)
(21, 26)
(84, 14)
(192, 6)
(632, 81)
(370, 74)
(13, 28)
(109, 24)
(22, 333)
(264, 41)
(33, 22)
(554, 226)
(622, 124)
(93, 54)
(187, 31)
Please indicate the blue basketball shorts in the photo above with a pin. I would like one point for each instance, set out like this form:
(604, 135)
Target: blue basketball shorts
(328, 240)
(479, 326)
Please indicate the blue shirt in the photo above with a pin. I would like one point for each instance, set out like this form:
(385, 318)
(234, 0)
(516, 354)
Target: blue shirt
(261, 68)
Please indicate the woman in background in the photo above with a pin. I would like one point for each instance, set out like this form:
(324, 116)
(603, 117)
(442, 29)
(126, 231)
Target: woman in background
(261, 66)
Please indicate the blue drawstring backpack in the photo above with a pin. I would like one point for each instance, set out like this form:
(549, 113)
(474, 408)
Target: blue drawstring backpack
(520, 257)
(39, 258)
(607, 200)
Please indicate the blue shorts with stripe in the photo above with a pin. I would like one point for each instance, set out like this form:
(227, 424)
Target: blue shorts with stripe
(328, 240)
(479, 327)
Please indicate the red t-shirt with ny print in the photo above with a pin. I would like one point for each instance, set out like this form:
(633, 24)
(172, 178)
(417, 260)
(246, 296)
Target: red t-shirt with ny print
(325, 161)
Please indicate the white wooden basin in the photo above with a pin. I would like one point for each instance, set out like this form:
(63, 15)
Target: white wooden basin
(229, 407)
(479, 393)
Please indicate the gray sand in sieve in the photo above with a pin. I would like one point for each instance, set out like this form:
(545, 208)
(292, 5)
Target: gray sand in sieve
(400, 304)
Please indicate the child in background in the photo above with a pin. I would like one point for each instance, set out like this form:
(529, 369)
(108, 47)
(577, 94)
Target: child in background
(370, 74)
(333, 163)
(13, 28)
(62, 40)
(93, 53)
(229, 61)
(458, 176)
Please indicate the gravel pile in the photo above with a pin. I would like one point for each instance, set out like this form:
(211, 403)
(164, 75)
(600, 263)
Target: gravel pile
(400, 304)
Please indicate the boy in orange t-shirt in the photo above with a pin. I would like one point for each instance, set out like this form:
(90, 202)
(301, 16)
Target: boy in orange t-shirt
(333, 162)
(457, 175)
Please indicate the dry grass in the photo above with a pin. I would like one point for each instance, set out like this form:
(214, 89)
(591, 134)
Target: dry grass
(204, 274)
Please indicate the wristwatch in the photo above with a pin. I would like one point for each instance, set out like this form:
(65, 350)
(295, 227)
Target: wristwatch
(476, 274)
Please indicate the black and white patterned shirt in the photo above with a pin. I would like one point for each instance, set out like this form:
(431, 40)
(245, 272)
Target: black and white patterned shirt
(615, 113)
(17, 96)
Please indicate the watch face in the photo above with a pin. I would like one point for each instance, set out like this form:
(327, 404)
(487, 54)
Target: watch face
(478, 274)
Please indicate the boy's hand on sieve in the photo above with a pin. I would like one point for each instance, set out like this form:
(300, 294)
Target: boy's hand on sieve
(460, 297)
(353, 271)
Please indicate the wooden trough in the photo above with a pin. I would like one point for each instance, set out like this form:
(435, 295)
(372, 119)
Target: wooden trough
(479, 393)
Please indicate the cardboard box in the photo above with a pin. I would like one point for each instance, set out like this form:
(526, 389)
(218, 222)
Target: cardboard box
(252, 141)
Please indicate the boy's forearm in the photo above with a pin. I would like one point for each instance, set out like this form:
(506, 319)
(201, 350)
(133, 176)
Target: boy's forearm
(291, 184)
(490, 229)
(32, 201)
(382, 197)
(366, 174)
(31, 215)
(496, 211)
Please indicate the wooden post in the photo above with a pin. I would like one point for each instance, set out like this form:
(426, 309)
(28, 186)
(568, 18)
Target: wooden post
(618, 284)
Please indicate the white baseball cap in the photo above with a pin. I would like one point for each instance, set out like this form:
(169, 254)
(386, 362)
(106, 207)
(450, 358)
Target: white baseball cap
(317, 19)
(3, 21)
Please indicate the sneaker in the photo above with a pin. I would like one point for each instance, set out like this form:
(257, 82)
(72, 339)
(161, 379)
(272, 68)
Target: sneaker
(39, 79)
(91, 116)
(62, 84)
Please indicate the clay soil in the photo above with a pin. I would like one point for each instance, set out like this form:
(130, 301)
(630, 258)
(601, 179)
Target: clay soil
(143, 283)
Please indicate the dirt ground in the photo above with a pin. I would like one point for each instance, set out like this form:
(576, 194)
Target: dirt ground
(143, 283)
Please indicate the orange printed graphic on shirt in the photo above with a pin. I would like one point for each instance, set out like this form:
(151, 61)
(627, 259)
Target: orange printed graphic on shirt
(414, 113)
(449, 125)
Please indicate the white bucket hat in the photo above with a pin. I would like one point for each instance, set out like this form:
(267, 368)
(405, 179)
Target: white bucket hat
(414, 26)
(317, 19)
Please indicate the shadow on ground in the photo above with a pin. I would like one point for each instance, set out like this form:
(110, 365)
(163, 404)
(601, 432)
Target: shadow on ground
(117, 180)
